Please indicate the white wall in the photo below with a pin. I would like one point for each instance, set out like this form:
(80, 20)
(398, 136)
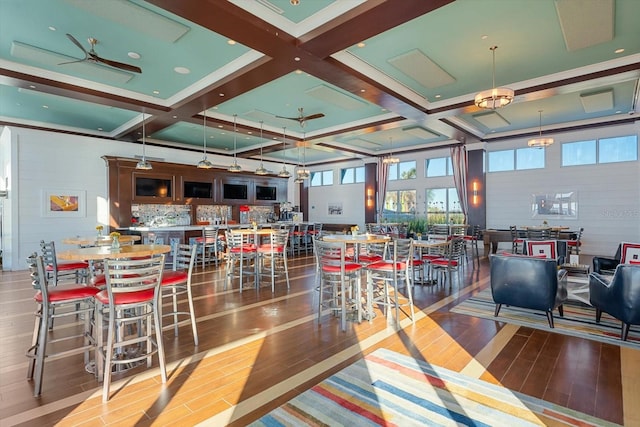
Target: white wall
(35, 161)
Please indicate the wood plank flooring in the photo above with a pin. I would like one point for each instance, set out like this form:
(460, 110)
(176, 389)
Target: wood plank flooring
(259, 349)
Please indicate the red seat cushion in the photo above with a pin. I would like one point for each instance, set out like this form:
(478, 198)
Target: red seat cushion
(386, 266)
(266, 248)
(349, 267)
(243, 249)
(574, 243)
(444, 262)
(127, 297)
(67, 266)
(170, 277)
(429, 257)
(370, 258)
(67, 293)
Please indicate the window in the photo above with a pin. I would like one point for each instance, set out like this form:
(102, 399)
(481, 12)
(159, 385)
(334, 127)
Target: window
(529, 158)
(501, 161)
(352, 175)
(402, 170)
(620, 149)
(440, 166)
(400, 205)
(579, 153)
(321, 178)
(443, 206)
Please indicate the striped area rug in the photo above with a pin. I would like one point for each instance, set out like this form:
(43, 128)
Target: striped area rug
(390, 389)
(579, 319)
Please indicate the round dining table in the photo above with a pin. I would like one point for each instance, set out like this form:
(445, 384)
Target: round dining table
(86, 241)
(96, 253)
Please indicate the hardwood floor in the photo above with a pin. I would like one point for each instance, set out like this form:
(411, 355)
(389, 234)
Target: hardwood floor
(257, 350)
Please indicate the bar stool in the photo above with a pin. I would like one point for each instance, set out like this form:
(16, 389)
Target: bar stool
(57, 271)
(132, 297)
(387, 274)
(275, 255)
(209, 244)
(176, 282)
(241, 252)
(59, 301)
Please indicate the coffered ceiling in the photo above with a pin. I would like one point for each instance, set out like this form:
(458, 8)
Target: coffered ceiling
(395, 75)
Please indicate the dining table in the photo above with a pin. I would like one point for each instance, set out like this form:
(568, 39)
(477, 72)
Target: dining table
(258, 234)
(88, 241)
(357, 240)
(98, 253)
(428, 245)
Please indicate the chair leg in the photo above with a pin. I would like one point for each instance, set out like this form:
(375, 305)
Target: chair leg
(192, 314)
(598, 315)
(157, 325)
(550, 318)
(498, 307)
(561, 310)
(625, 331)
(41, 350)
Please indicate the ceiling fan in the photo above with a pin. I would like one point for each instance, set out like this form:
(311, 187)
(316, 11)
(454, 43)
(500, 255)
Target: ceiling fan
(302, 119)
(92, 56)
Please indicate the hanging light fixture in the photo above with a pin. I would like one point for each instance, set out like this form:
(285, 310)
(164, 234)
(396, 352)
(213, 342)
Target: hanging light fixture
(143, 164)
(284, 173)
(235, 167)
(390, 159)
(496, 97)
(261, 169)
(303, 173)
(204, 163)
(540, 141)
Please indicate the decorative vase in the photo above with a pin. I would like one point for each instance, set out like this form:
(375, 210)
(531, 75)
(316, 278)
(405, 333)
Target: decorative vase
(99, 233)
(115, 243)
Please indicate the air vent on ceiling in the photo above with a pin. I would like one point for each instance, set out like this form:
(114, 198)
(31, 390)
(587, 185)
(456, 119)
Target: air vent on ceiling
(363, 143)
(491, 120)
(585, 23)
(422, 69)
(420, 132)
(597, 101)
(332, 96)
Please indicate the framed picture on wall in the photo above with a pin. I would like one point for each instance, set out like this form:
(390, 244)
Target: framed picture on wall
(334, 208)
(64, 203)
(555, 205)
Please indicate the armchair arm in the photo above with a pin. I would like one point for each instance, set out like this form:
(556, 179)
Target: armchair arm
(561, 293)
(599, 289)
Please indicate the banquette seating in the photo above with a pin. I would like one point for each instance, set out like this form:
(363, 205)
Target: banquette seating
(618, 296)
(528, 282)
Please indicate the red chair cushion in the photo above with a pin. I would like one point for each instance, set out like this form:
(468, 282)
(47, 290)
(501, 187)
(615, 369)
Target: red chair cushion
(67, 266)
(349, 267)
(444, 262)
(170, 277)
(428, 257)
(573, 243)
(370, 258)
(127, 297)
(244, 249)
(266, 249)
(386, 266)
(67, 293)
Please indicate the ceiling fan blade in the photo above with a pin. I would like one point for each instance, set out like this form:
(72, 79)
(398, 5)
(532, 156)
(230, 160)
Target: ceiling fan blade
(312, 116)
(73, 62)
(297, 119)
(116, 64)
(77, 43)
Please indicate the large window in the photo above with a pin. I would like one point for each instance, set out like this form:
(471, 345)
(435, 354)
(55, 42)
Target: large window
(400, 205)
(440, 166)
(520, 159)
(604, 150)
(352, 175)
(443, 206)
(402, 170)
(321, 178)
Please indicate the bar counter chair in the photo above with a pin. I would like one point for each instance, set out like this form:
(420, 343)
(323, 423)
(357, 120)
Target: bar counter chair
(177, 282)
(57, 301)
(274, 256)
(57, 271)
(241, 252)
(209, 243)
(131, 305)
(574, 244)
(338, 280)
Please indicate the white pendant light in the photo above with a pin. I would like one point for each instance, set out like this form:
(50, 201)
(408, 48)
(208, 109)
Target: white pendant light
(235, 167)
(303, 173)
(390, 159)
(261, 169)
(496, 97)
(284, 173)
(204, 163)
(143, 164)
(540, 142)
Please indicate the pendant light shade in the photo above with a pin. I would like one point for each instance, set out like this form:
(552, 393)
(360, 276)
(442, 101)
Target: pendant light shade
(303, 173)
(540, 142)
(204, 163)
(496, 97)
(261, 169)
(390, 159)
(235, 167)
(284, 173)
(143, 164)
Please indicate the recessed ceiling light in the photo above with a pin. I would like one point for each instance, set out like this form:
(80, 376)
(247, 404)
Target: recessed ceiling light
(32, 87)
(134, 55)
(231, 42)
(220, 126)
(619, 50)
(361, 44)
(156, 92)
(438, 96)
(215, 108)
(221, 94)
(363, 90)
(298, 71)
(45, 106)
(175, 117)
(52, 28)
(297, 58)
(182, 70)
(484, 37)
(99, 128)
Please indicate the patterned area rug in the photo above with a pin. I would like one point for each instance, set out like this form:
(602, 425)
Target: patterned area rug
(387, 388)
(579, 319)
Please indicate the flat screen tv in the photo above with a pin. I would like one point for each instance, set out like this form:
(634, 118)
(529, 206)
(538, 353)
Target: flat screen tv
(264, 192)
(198, 190)
(153, 187)
(234, 191)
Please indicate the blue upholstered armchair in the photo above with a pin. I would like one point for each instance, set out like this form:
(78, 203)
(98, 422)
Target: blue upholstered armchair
(527, 282)
(618, 296)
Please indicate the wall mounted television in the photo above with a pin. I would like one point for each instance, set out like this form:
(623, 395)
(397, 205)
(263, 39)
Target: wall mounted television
(234, 191)
(264, 192)
(153, 187)
(198, 190)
